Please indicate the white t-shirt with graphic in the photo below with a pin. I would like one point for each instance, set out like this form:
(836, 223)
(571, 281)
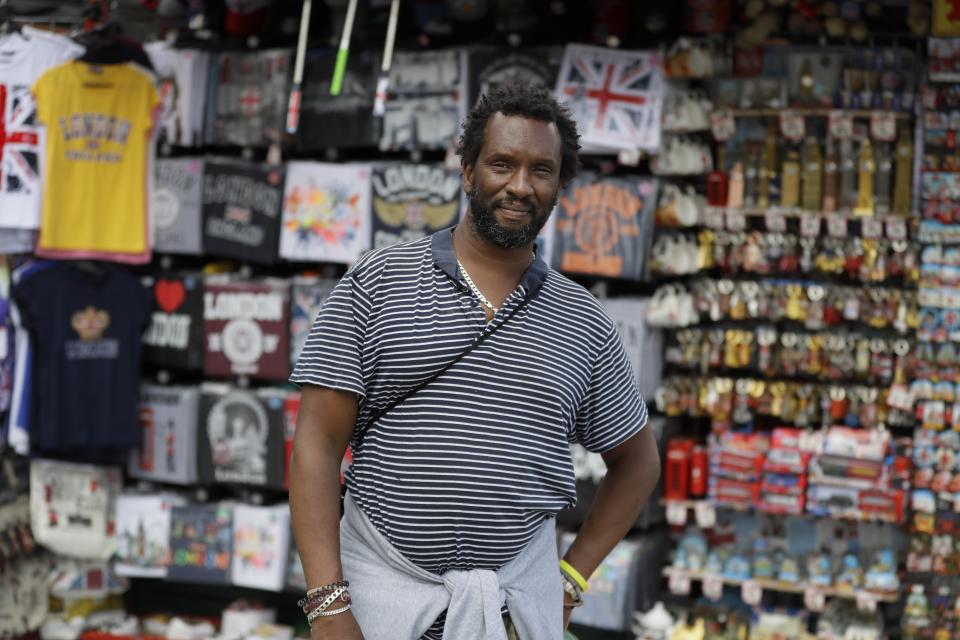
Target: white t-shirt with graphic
(24, 57)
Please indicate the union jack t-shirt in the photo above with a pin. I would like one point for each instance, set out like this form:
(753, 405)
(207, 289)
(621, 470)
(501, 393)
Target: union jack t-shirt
(24, 57)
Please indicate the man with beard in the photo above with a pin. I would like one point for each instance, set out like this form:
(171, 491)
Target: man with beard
(460, 368)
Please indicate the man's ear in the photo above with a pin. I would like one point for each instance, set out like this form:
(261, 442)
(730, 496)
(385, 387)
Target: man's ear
(467, 178)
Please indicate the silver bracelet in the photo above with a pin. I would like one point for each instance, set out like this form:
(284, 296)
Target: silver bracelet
(572, 590)
(329, 600)
(335, 611)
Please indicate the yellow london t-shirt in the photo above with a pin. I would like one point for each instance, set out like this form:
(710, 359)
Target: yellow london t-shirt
(98, 121)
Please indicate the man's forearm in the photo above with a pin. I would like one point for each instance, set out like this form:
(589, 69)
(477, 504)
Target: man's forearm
(631, 478)
(315, 514)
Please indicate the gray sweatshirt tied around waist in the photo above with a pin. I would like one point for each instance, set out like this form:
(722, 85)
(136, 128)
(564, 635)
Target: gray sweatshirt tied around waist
(393, 599)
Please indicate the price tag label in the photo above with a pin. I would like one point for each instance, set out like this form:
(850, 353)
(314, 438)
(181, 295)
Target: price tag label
(840, 125)
(866, 601)
(629, 157)
(896, 228)
(837, 226)
(712, 586)
(751, 592)
(706, 515)
(676, 513)
(814, 598)
(776, 222)
(722, 125)
(792, 125)
(714, 217)
(736, 220)
(883, 126)
(810, 225)
(679, 583)
(871, 227)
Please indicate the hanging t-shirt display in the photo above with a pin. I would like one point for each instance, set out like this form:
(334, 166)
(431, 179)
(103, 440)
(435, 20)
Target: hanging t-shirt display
(615, 96)
(250, 104)
(411, 201)
(604, 226)
(295, 580)
(341, 122)
(247, 325)
(642, 344)
(241, 439)
(21, 415)
(176, 205)
(308, 294)
(168, 448)
(326, 212)
(23, 59)
(183, 84)
(98, 134)
(241, 210)
(426, 101)
(261, 540)
(201, 543)
(86, 322)
(174, 338)
(72, 507)
(143, 534)
(291, 409)
(491, 67)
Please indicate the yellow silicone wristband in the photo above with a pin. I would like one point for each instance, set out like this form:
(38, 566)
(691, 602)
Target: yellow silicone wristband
(568, 569)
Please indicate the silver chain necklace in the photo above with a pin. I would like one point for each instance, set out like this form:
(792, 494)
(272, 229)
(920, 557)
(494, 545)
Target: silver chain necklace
(476, 290)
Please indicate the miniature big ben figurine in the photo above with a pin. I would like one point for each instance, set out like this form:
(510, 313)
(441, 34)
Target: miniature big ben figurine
(790, 183)
(812, 175)
(830, 169)
(903, 174)
(866, 169)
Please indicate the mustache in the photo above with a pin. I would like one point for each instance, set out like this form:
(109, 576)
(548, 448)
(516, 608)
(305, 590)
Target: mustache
(524, 202)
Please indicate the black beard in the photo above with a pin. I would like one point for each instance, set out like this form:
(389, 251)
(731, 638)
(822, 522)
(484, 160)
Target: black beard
(485, 224)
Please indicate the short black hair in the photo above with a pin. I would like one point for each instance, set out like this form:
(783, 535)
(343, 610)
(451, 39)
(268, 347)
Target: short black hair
(528, 101)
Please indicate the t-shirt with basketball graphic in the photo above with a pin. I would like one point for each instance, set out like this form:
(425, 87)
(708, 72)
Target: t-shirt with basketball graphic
(23, 59)
(99, 121)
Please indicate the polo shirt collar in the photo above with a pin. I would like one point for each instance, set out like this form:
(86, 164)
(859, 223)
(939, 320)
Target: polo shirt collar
(441, 245)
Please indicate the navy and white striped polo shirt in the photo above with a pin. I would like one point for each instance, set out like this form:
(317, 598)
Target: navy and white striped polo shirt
(462, 473)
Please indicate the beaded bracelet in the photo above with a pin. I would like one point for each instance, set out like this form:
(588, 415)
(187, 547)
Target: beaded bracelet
(329, 587)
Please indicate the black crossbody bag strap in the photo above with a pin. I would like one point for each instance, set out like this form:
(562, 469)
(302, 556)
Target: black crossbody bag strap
(473, 345)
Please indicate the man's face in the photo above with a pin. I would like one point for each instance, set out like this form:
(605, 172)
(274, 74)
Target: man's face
(513, 185)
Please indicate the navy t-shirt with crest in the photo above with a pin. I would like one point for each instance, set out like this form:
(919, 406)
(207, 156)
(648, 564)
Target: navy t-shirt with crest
(86, 324)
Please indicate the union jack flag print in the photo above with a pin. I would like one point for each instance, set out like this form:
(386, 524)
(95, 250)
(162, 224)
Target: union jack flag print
(615, 96)
(19, 171)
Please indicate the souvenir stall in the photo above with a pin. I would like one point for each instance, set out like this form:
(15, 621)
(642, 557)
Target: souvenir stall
(768, 209)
